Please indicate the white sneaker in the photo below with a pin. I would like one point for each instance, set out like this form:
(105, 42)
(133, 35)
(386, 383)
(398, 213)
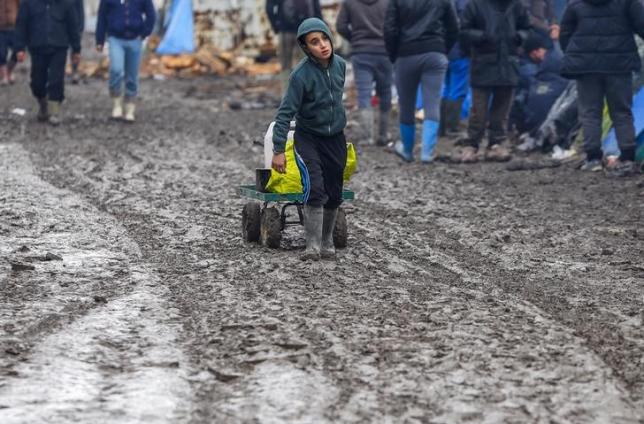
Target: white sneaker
(130, 108)
(117, 110)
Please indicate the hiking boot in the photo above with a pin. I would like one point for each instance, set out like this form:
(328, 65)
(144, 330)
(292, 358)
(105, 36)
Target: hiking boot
(117, 108)
(468, 155)
(592, 165)
(621, 169)
(497, 153)
(313, 226)
(130, 108)
(43, 111)
(328, 248)
(54, 113)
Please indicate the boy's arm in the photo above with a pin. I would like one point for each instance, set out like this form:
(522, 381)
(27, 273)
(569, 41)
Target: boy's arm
(636, 13)
(342, 24)
(101, 23)
(22, 26)
(568, 27)
(150, 18)
(392, 30)
(71, 15)
(291, 103)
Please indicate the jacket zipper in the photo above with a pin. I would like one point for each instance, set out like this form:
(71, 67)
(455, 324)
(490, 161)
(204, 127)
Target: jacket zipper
(328, 74)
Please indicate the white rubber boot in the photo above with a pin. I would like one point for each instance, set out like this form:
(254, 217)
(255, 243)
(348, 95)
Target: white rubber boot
(130, 108)
(117, 108)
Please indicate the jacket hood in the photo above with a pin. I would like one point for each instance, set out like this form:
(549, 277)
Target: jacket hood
(311, 25)
(597, 2)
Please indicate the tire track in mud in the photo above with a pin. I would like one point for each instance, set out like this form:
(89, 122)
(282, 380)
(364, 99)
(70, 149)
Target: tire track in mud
(394, 331)
(89, 337)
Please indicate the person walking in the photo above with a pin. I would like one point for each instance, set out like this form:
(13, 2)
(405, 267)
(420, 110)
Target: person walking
(361, 23)
(600, 53)
(48, 50)
(8, 15)
(285, 17)
(125, 24)
(493, 31)
(418, 36)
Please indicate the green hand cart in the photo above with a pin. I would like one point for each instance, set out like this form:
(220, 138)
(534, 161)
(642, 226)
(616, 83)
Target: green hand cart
(264, 216)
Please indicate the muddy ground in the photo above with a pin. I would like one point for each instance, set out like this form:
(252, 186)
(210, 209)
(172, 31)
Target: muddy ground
(467, 293)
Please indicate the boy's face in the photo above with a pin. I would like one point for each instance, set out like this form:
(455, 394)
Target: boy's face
(319, 45)
(538, 55)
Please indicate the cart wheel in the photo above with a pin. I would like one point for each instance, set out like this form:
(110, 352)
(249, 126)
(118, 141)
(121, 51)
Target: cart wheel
(251, 216)
(271, 228)
(340, 230)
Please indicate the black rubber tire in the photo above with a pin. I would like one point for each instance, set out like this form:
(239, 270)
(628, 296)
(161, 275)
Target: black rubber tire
(270, 228)
(340, 230)
(251, 217)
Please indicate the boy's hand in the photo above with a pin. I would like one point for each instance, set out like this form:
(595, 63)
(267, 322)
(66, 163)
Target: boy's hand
(555, 31)
(279, 162)
(20, 56)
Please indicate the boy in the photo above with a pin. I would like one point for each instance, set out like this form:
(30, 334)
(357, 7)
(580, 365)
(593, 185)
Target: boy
(314, 97)
(48, 49)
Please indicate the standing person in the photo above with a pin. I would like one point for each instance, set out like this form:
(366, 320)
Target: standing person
(600, 53)
(48, 50)
(493, 30)
(80, 11)
(361, 23)
(285, 17)
(418, 35)
(126, 23)
(8, 14)
(314, 98)
(457, 84)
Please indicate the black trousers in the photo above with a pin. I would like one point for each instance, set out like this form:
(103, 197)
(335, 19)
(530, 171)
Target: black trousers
(321, 161)
(48, 73)
(617, 90)
(491, 108)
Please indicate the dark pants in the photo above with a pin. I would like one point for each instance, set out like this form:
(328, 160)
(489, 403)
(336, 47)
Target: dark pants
(491, 107)
(6, 44)
(370, 68)
(48, 73)
(617, 90)
(321, 161)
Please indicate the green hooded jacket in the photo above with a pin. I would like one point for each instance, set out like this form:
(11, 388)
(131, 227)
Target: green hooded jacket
(314, 94)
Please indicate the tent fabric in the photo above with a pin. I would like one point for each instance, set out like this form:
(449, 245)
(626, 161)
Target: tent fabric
(638, 114)
(179, 37)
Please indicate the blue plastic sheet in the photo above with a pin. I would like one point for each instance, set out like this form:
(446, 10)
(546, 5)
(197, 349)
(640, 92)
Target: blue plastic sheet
(179, 36)
(610, 145)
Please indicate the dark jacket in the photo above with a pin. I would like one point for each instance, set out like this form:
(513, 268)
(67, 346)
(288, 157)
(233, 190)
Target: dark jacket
(597, 36)
(361, 22)
(128, 19)
(8, 14)
(542, 14)
(457, 51)
(493, 30)
(314, 94)
(80, 15)
(47, 23)
(414, 27)
(287, 15)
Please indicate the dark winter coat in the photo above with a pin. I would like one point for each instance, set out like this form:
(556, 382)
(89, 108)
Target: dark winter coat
(127, 19)
(493, 30)
(80, 15)
(8, 14)
(414, 27)
(287, 15)
(457, 51)
(314, 94)
(597, 36)
(361, 22)
(47, 23)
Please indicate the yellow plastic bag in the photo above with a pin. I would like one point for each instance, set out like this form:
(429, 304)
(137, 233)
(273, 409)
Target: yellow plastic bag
(291, 181)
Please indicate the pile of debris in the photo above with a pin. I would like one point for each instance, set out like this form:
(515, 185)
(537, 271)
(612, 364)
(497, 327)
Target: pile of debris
(207, 60)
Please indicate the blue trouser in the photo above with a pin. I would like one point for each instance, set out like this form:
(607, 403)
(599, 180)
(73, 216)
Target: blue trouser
(457, 79)
(125, 58)
(369, 68)
(428, 70)
(6, 44)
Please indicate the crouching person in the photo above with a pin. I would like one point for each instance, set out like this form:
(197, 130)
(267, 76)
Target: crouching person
(47, 29)
(126, 24)
(314, 98)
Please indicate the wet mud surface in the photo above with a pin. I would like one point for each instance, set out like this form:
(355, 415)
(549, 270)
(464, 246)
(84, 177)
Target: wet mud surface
(467, 293)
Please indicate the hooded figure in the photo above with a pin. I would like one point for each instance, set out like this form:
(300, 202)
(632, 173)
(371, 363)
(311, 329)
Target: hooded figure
(314, 97)
(600, 52)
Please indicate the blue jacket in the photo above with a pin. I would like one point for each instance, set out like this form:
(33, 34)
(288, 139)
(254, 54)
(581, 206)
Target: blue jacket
(128, 19)
(47, 23)
(314, 94)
